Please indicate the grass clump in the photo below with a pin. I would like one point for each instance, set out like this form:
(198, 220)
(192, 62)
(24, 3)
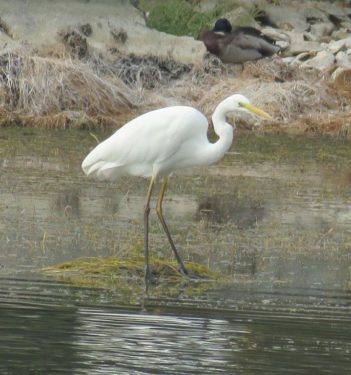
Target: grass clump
(35, 85)
(126, 276)
(134, 267)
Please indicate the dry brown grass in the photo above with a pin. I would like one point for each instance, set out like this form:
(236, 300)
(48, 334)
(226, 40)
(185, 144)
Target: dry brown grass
(284, 101)
(147, 72)
(35, 85)
(63, 120)
(301, 102)
(342, 85)
(335, 124)
(275, 70)
(60, 92)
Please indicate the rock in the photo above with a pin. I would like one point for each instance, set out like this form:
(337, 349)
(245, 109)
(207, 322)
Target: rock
(299, 45)
(282, 39)
(322, 61)
(286, 18)
(75, 42)
(288, 60)
(283, 45)
(206, 5)
(276, 34)
(145, 41)
(340, 34)
(299, 18)
(309, 37)
(313, 14)
(319, 30)
(337, 72)
(343, 60)
(330, 9)
(336, 46)
(346, 25)
(44, 23)
(241, 16)
(304, 56)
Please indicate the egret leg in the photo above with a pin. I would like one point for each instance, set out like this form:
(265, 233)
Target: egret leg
(146, 234)
(165, 227)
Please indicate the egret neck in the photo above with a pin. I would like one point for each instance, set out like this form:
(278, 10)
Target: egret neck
(224, 130)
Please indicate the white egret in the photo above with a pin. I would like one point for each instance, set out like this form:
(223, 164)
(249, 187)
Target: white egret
(159, 142)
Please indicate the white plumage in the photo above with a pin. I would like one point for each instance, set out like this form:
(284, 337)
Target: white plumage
(149, 145)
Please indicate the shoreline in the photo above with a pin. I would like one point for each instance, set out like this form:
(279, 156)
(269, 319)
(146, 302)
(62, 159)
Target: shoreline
(88, 76)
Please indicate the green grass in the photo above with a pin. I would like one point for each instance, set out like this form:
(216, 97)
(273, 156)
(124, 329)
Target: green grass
(175, 17)
(180, 17)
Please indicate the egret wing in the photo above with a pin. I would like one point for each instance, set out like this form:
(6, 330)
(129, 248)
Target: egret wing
(143, 142)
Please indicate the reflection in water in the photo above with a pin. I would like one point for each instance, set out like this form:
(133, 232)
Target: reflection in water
(279, 229)
(68, 203)
(147, 343)
(224, 209)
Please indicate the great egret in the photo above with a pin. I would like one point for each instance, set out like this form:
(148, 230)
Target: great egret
(240, 45)
(157, 143)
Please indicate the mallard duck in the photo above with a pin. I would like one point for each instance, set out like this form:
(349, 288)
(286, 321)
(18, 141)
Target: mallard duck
(238, 45)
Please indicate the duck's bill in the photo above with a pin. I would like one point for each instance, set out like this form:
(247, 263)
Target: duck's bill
(257, 111)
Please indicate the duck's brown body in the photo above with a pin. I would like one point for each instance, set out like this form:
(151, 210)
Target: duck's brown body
(240, 45)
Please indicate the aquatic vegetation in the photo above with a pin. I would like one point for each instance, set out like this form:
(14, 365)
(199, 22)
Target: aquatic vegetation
(126, 276)
(133, 267)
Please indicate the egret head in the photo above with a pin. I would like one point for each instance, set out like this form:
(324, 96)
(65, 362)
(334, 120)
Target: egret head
(242, 103)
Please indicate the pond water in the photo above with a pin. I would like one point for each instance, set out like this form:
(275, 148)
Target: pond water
(274, 217)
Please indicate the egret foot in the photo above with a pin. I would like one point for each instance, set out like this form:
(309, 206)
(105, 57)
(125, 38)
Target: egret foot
(150, 279)
(183, 271)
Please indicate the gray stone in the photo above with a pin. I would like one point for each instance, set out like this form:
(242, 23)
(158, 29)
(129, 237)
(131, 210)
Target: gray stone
(304, 56)
(299, 45)
(340, 34)
(322, 61)
(330, 9)
(336, 46)
(343, 60)
(337, 72)
(206, 5)
(320, 30)
(283, 44)
(40, 23)
(286, 18)
(288, 60)
(276, 34)
(346, 25)
(313, 14)
(241, 16)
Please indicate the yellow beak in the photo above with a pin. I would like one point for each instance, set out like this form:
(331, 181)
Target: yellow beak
(256, 111)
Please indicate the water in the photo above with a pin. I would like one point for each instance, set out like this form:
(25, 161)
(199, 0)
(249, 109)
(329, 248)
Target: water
(274, 216)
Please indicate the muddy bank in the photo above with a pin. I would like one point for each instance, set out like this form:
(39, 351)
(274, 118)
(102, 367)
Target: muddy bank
(89, 71)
